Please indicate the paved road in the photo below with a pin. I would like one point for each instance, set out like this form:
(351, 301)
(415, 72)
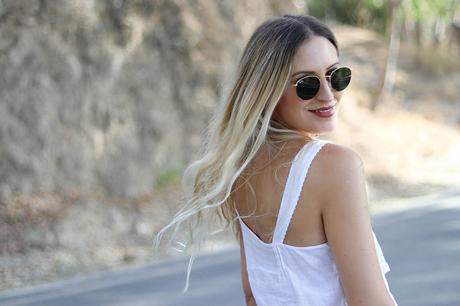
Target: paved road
(421, 244)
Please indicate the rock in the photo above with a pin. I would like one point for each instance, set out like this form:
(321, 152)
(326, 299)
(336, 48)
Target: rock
(109, 95)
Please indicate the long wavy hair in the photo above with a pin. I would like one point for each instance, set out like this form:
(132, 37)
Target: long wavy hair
(240, 126)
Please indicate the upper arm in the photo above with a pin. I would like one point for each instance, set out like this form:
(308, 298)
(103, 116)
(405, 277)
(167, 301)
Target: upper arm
(244, 273)
(348, 226)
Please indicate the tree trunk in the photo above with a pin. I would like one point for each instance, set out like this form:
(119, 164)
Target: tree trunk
(392, 55)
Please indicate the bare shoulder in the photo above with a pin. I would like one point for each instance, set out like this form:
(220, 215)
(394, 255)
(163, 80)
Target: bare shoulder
(341, 181)
(336, 159)
(336, 167)
(347, 224)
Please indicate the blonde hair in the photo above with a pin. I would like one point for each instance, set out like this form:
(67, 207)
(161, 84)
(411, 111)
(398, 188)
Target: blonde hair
(241, 125)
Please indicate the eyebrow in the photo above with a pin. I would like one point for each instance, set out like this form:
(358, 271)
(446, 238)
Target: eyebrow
(308, 72)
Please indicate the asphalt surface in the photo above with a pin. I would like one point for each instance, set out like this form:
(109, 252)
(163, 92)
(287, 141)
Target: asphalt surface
(420, 238)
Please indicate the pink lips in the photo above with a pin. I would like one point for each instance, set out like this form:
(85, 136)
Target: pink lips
(328, 113)
(322, 108)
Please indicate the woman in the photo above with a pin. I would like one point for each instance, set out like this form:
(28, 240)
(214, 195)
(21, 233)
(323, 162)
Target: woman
(304, 239)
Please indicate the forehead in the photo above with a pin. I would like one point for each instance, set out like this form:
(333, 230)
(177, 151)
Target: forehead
(315, 54)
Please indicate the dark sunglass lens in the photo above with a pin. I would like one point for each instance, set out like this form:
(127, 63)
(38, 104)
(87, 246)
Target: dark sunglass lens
(340, 78)
(307, 87)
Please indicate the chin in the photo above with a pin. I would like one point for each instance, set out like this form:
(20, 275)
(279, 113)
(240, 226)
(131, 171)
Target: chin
(321, 130)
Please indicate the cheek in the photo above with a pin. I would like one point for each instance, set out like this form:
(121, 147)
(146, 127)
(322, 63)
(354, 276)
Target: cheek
(289, 107)
(338, 95)
(290, 99)
(284, 105)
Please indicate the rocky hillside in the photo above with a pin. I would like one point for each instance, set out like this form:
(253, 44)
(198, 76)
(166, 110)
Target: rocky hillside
(103, 102)
(112, 95)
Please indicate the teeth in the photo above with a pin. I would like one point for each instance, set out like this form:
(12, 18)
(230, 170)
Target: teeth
(326, 110)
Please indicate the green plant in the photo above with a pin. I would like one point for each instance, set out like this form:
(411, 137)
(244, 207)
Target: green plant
(367, 13)
(167, 177)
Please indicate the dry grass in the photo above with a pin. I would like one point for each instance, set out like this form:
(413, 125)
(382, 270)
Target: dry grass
(411, 142)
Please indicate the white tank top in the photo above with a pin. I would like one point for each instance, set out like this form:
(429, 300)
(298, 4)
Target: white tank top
(285, 275)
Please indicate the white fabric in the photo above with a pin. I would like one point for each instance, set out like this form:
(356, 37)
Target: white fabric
(281, 274)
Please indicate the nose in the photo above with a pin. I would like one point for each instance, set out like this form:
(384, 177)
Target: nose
(325, 93)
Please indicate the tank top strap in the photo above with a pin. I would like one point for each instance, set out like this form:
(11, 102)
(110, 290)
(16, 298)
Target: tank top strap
(293, 187)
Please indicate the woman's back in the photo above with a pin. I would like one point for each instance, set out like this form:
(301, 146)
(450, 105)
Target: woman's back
(287, 256)
(267, 177)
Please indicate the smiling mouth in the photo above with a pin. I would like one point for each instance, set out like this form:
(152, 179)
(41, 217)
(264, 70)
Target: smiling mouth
(324, 112)
(323, 108)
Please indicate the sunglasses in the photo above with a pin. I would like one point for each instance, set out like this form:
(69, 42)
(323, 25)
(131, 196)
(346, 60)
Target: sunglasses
(308, 86)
